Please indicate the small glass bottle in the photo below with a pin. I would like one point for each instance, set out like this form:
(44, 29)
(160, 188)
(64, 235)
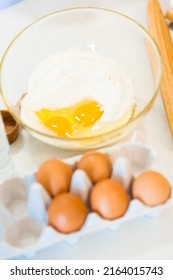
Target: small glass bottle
(6, 164)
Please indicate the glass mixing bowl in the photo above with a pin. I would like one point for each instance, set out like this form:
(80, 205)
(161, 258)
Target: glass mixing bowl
(90, 29)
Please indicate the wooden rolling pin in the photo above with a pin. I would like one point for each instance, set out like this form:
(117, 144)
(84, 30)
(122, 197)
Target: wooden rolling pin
(169, 15)
(159, 30)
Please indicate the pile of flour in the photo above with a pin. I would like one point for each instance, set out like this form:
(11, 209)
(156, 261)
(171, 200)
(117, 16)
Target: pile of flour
(66, 78)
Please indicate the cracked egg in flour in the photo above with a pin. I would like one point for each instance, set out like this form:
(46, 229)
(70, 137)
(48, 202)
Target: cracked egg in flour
(76, 93)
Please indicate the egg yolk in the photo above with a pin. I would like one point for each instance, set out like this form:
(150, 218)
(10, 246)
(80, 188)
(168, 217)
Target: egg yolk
(67, 122)
(59, 125)
(88, 113)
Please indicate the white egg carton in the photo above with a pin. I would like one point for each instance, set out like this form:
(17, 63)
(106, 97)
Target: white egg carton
(23, 202)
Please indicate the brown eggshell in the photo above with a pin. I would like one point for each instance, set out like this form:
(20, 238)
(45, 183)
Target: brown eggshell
(67, 213)
(151, 187)
(98, 166)
(55, 176)
(109, 199)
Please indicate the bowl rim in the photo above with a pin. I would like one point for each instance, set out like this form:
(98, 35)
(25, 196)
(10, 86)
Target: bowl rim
(113, 130)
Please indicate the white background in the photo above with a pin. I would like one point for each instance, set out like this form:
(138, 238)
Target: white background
(98, 267)
(139, 239)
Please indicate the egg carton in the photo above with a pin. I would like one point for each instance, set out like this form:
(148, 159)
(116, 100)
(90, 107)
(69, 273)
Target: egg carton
(23, 202)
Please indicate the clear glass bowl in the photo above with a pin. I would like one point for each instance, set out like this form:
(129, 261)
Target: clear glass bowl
(91, 29)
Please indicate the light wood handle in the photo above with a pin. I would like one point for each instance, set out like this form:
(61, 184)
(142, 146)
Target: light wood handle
(159, 30)
(169, 15)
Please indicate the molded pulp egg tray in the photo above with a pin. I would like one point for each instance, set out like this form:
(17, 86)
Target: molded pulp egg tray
(23, 202)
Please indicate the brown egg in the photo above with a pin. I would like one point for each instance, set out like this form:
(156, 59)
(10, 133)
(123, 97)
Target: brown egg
(67, 213)
(151, 187)
(98, 166)
(55, 176)
(109, 199)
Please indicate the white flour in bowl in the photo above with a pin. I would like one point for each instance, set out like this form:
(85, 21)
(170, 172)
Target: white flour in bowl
(64, 79)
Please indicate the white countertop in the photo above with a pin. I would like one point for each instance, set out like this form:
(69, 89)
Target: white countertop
(142, 238)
